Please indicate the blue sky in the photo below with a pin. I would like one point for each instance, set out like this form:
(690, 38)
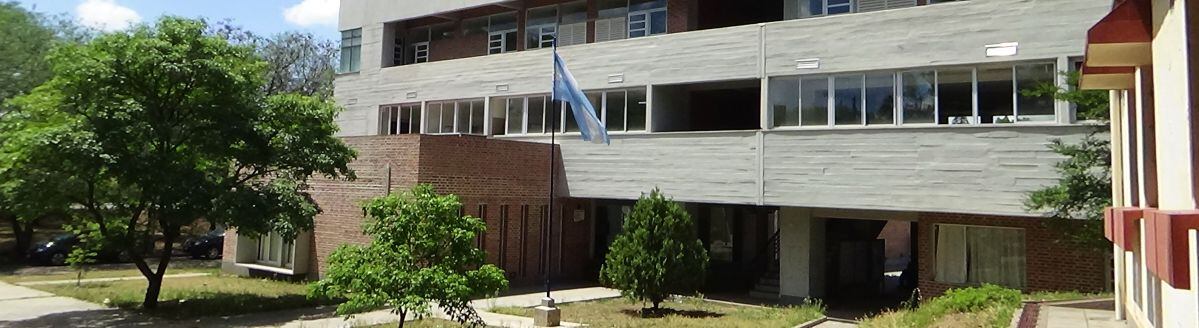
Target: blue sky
(261, 16)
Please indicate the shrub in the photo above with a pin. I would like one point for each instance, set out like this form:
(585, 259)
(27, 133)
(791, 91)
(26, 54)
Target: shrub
(657, 253)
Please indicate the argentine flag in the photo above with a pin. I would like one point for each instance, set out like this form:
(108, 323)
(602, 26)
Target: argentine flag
(567, 90)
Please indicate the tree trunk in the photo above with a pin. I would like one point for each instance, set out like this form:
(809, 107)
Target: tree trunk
(22, 232)
(155, 286)
(403, 316)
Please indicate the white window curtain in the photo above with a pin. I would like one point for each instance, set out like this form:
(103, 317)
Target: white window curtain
(976, 255)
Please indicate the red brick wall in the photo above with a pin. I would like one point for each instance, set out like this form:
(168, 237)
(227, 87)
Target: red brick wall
(481, 171)
(1050, 264)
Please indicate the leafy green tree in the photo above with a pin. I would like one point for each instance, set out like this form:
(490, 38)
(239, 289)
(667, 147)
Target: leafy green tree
(151, 129)
(297, 62)
(85, 252)
(1076, 203)
(25, 40)
(657, 253)
(421, 252)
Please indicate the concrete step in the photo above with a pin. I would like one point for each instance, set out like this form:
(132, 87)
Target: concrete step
(767, 288)
(764, 295)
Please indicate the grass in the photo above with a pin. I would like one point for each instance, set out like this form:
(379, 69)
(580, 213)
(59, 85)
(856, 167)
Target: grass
(183, 298)
(422, 323)
(937, 313)
(684, 312)
(91, 274)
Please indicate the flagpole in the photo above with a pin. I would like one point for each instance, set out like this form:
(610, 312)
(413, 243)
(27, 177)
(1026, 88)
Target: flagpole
(553, 161)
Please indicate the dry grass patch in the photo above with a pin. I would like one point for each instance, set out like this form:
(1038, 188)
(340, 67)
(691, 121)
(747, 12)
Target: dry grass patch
(683, 312)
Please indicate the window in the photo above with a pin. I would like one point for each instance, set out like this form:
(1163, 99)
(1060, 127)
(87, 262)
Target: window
(647, 17)
(809, 8)
(977, 255)
(813, 101)
(501, 33)
(351, 51)
(464, 117)
(619, 110)
(955, 96)
(880, 98)
(274, 251)
(996, 95)
(420, 52)
(919, 97)
(1035, 109)
(848, 100)
(401, 119)
(541, 27)
(784, 101)
(612, 20)
(572, 28)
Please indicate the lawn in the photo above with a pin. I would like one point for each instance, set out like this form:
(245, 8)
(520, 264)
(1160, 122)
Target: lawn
(91, 274)
(422, 323)
(684, 312)
(966, 310)
(195, 297)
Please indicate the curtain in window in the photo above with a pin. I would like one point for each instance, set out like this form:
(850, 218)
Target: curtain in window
(996, 256)
(951, 253)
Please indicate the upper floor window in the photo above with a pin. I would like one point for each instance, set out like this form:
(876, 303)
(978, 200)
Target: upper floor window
(647, 17)
(462, 116)
(399, 119)
(501, 33)
(809, 8)
(541, 27)
(962, 95)
(351, 50)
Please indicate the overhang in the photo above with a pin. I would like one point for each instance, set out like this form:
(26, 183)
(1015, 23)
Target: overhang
(1117, 44)
(1107, 78)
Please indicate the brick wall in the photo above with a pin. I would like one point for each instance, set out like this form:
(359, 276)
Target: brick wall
(1050, 264)
(488, 175)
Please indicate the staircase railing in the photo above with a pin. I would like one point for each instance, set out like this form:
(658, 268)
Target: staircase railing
(767, 255)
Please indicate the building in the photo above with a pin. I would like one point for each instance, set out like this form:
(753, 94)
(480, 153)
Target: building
(822, 145)
(1144, 51)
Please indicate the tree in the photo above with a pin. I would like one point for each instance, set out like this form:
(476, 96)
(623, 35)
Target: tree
(1076, 203)
(25, 40)
(421, 252)
(147, 131)
(297, 62)
(657, 253)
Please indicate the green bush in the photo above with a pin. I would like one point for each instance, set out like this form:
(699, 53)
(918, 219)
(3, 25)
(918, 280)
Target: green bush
(972, 299)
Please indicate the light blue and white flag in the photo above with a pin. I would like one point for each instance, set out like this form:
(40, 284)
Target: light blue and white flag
(567, 90)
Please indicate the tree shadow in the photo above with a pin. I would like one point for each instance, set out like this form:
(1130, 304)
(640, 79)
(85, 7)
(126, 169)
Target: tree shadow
(664, 312)
(213, 310)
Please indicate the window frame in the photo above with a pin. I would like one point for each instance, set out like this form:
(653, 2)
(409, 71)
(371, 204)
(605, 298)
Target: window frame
(351, 42)
(458, 110)
(387, 112)
(541, 29)
(647, 29)
(417, 57)
(285, 253)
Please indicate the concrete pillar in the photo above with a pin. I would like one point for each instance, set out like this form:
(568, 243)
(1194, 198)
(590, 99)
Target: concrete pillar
(801, 254)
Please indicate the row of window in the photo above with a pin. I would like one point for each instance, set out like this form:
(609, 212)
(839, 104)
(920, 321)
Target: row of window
(971, 95)
(976, 255)
(619, 110)
(566, 23)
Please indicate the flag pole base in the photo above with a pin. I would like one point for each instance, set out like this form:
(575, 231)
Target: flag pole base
(547, 314)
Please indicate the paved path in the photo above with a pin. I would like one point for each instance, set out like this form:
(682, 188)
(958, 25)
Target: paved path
(20, 303)
(71, 281)
(1081, 314)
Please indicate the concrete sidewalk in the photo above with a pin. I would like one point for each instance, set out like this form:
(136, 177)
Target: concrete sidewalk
(20, 304)
(1079, 314)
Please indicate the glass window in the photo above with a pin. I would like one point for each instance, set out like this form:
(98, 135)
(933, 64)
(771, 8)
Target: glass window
(813, 101)
(447, 118)
(647, 17)
(613, 8)
(402, 119)
(516, 115)
(463, 117)
(995, 94)
(351, 50)
(847, 100)
(501, 33)
(955, 96)
(433, 120)
(977, 255)
(574, 12)
(880, 98)
(635, 116)
(1035, 109)
(919, 97)
(568, 118)
(537, 115)
(476, 117)
(541, 26)
(784, 101)
(615, 108)
(273, 250)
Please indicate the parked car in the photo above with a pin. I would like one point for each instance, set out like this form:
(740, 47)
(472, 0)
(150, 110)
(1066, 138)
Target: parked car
(207, 246)
(56, 250)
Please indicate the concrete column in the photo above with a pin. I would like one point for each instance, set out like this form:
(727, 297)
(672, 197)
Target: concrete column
(801, 254)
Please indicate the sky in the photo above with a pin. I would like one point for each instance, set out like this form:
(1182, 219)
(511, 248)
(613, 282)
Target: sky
(259, 16)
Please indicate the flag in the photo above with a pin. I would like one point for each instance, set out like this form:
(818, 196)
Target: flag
(567, 90)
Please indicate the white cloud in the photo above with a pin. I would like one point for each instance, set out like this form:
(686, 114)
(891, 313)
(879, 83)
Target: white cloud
(106, 15)
(312, 12)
